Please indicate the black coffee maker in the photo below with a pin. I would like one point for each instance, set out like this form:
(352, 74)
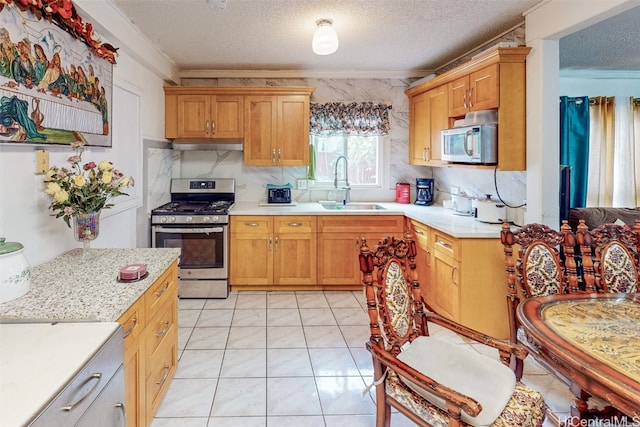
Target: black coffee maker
(424, 191)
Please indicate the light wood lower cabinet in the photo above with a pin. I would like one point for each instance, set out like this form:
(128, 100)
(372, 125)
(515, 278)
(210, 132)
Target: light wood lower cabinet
(150, 347)
(339, 240)
(463, 279)
(278, 251)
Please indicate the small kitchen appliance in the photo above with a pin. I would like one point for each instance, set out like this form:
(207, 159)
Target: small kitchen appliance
(424, 191)
(279, 193)
(461, 204)
(489, 210)
(471, 144)
(403, 193)
(196, 221)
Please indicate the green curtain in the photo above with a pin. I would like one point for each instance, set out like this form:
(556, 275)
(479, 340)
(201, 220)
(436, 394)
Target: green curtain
(574, 145)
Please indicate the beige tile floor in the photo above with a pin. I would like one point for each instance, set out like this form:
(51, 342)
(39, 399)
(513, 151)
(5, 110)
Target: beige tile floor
(282, 359)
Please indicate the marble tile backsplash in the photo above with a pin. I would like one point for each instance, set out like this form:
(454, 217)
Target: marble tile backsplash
(251, 180)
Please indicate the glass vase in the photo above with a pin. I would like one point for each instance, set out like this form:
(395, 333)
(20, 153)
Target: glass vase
(86, 228)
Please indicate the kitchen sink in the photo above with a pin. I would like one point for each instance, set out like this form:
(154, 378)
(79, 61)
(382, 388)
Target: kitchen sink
(353, 207)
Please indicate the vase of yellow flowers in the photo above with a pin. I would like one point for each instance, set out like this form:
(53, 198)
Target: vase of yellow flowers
(79, 193)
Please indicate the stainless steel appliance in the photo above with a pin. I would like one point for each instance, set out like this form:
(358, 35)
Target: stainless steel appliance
(471, 144)
(196, 221)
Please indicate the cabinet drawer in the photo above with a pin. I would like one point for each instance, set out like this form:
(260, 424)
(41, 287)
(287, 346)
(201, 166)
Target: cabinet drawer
(160, 371)
(133, 322)
(446, 244)
(294, 224)
(162, 290)
(422, 234)
(160, 328)
(251, 224)
(67, 408)
(109, 408)
(380, 225)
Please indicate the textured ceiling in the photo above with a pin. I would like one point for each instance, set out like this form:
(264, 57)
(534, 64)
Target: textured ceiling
(375, 35)
(612, 44)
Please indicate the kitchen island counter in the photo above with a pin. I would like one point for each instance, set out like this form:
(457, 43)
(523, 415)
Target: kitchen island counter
(68, 288)
(433, 216)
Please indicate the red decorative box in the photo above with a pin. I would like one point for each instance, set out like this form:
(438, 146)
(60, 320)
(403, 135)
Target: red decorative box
(131, 272)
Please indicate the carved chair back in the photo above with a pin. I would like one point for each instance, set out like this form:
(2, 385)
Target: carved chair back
(610, 257)
(538, 269)
(392, 292)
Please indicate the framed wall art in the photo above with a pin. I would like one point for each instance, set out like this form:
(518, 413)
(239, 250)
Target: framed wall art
(56, 77)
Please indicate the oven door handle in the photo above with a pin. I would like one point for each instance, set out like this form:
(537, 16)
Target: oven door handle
(190, 230)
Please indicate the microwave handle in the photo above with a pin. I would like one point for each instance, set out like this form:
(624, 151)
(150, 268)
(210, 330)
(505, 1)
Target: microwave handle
(468, 142)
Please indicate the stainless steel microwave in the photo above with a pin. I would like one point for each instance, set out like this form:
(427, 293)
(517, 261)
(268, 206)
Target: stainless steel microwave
(471, 144)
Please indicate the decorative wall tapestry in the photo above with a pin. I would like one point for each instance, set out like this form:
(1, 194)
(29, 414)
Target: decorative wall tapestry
(56, 76)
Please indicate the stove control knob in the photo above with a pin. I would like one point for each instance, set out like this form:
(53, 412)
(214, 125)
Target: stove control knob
(206, 219)
(163, 219)
(172, 219)
(216, 219)
(189, 219)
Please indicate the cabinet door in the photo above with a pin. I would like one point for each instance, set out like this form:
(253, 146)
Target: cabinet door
(227, 116)
(445, 283)
(338, 259)
(251, 260)
(260, 130)
(484, 88)
(458, 97)
(422, 235)
(194, 116)
(419, 129)
(429, 114)
(295, 259)
(439, 120)
(133, 322)
(293, 131)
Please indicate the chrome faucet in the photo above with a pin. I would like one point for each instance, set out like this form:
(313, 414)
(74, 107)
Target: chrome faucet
(346, 187)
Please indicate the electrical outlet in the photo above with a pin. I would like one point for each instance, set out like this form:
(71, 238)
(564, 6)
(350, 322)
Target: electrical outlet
(301, 184)
(42, 162)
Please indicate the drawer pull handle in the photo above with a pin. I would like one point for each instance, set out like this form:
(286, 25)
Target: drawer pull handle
(130, 330)
(418, 231)
(295, 224)
(251, 224)
(162, 291)
(120, 406)
(167, 369)
(164, 330)
(445, 245)
(94, 377)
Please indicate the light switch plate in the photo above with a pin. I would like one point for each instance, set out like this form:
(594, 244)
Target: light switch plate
(301, 184)
(42, 161)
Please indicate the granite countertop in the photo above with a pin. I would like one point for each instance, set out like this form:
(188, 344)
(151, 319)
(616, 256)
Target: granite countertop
(433, 216)
(68, 288)
(38, 359)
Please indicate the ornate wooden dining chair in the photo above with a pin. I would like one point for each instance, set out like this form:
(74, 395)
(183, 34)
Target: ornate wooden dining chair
(610, 257)
(432, 381)
(538, 269)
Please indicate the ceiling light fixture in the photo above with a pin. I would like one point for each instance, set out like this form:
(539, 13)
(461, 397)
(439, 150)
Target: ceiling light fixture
(325, 39)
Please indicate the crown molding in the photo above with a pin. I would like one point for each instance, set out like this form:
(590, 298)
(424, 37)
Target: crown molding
(300, 74)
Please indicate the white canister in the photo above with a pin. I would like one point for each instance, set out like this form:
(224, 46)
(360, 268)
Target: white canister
(489, 210)
(15, 274)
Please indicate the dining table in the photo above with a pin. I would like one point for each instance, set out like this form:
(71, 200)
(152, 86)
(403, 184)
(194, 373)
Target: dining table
(593, 341)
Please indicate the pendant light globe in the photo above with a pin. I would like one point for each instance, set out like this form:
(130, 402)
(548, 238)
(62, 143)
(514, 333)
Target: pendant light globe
(325, 39)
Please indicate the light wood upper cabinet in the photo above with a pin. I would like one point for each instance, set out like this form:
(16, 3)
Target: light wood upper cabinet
(272, 121)
(496, 79)
(277, 130)
(428, 114)
(205, 116)
(477, 91)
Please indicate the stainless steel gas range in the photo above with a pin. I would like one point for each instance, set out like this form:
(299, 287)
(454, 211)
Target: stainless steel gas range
(196, 221)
